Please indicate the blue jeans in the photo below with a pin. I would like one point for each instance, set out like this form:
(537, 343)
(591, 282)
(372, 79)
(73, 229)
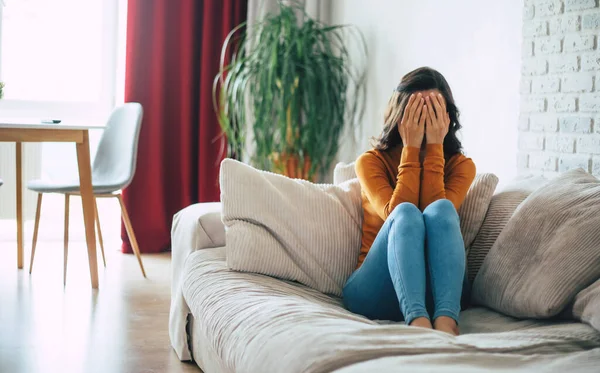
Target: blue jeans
(415, 267)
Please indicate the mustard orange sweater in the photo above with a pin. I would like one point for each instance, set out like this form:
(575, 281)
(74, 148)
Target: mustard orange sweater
(389, 178)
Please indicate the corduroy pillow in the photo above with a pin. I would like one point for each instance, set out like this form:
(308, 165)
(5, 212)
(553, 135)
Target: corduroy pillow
(548, 251)
(474, 207)
(290, 228)
(501, 207)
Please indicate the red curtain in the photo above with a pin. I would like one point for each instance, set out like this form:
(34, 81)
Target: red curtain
(173, 52)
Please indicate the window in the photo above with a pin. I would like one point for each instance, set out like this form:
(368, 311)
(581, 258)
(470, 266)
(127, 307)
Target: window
(58, 57)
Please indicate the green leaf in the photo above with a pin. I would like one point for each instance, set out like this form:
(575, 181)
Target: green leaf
(294, 83)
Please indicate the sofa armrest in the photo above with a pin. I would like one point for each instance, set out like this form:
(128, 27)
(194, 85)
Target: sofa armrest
(198, 227)
(194, 228)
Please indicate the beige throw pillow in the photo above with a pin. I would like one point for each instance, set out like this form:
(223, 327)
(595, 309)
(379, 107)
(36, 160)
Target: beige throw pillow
(501, 207)
(474, 207)
(548, 251)
(290, 228)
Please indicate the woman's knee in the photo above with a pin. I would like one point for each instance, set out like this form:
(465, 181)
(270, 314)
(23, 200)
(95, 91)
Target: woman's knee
(407, 217)
(441, 214)
(407, 229)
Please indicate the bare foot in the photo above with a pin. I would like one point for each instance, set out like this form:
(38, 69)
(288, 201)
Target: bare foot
(422, 322)
(446, 324)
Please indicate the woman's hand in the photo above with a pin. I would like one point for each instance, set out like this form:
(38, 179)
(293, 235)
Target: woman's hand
(438, 120)
(412, 125)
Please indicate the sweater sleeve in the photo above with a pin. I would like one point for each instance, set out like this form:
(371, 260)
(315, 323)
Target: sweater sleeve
(374, 181)
(457, 184)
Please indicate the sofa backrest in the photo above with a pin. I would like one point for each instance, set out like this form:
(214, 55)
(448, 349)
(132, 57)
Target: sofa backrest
(343, 172)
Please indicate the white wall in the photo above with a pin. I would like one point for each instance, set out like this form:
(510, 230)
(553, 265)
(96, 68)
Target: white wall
(560, 100)
(476, 44)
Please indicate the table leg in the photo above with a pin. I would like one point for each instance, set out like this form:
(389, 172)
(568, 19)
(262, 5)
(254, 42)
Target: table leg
(19, 186)
(87, 201)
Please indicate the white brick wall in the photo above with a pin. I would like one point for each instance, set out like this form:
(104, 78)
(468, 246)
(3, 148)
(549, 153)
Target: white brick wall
(542, 122)
(590, 103)
(561, 63)
(548, 45)
(571, 162)
(542, 161)
(580, 82)
(577, 124)
(531, 141)
(590, 61)
(546, 84)
(559, 125)
(591, 21)
(577, 42)
(560, 144)
(547, 7)
(564, 24)
(559, 103)
(574, 5)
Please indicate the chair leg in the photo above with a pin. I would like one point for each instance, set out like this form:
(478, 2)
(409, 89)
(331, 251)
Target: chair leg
(130, 234)
(99, 231)
(66, 238)
(35, 230)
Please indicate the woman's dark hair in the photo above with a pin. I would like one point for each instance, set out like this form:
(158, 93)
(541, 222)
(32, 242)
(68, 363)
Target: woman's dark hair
(421, 79)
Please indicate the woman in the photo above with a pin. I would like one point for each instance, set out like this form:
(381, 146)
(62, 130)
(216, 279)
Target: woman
(412, 260)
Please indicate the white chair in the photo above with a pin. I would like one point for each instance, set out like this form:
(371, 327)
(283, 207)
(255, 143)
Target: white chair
(112, 170)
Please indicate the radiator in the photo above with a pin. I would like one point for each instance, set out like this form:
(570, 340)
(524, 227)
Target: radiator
(31, 169)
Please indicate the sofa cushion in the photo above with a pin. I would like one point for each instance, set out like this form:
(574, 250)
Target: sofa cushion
(583, 362)
(502, 206)
(547, 252)
(256, 323)
(290, 228)
(586, 307)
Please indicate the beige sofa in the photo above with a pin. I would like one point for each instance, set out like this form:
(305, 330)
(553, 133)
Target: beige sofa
(229, 321)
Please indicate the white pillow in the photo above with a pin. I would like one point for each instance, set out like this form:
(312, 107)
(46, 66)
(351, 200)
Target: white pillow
(290, 228)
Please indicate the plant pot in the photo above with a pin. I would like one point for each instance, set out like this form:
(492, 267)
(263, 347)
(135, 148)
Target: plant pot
(291, 166)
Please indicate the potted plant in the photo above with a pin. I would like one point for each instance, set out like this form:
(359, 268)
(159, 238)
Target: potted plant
(289, 89)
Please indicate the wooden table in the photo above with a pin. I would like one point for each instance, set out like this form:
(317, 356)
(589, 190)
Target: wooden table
(33, 130)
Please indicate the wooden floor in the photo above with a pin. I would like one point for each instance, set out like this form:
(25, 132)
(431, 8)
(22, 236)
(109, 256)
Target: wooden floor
(122, 327)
